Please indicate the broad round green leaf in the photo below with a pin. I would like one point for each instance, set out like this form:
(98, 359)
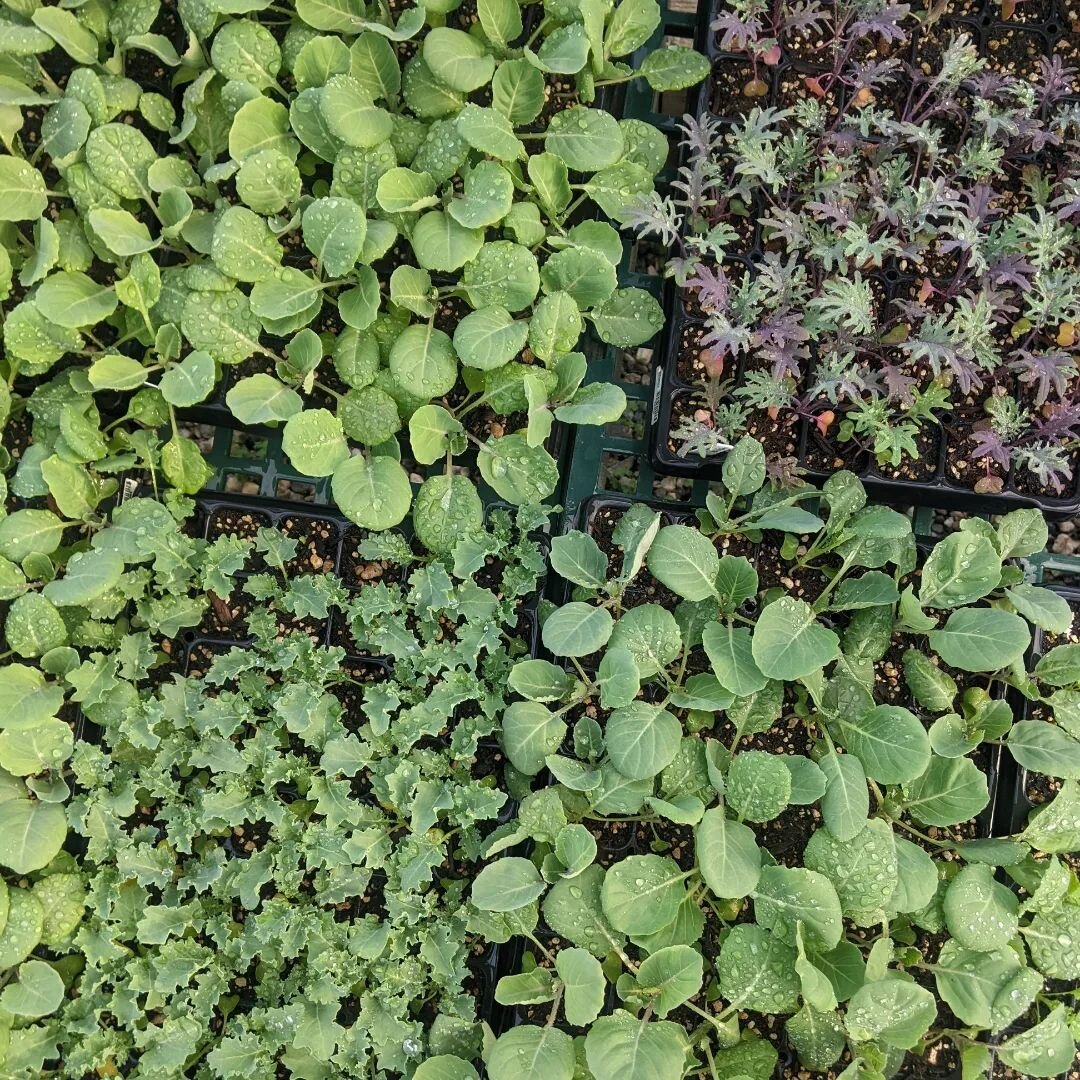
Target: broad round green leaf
(981, 639)
(423, 361)
(447, 509)
(488, 196)
(584, 985)
(532, 1053)
(243, 246)
(222, 325)
(730, 652)
(120, 156)
(116, 372)
(584, 139)
(518, 472)
(685, 561)
(862, 869)
(787, 897)
(445, 1066)
(757, 971)
(642, 739)
(507, 885)
(504, 274)
(621, 1047)
(950, 791)
(642, 893)
(314, 441)
(87, 576)
(38, 991)
(652, 636)
(190, 381)
(72, 299)
(489, 338)
(33, 626)
(31, 835)
(530, 732)
(24, 190)
(1045, 748)
(262, 399)
(402, 191)
(23, 929)
(457, 59)
(584, 275)
(1047, 1049)
(373, 493)
(577, 629)
(758, 785)
(986, 989)
(893, 1010)
(890, 741)
(727, 855)
(981, 913)
(352, 115)
(440, 243)
(961, 569)
(573, 909)
(674, 67)
(122, 233)
(789, 643)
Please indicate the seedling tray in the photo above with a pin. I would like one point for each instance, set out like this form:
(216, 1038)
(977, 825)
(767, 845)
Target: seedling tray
(804, 442)
(995, 769)
(249, 462)
(1037, 29)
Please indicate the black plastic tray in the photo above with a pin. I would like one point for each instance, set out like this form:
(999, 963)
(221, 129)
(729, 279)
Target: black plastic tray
(939, 490)
(1042, 24)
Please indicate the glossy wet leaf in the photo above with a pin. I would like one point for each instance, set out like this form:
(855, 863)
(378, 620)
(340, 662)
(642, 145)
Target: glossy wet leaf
(489, 338)
(890, 741)
(789, 642)
(38, 991)
(641, 894)
(642, 739)
(519, 473)
(584, 983)
(950, 791)
(190, 381)
(447, 509)
(893, 1010)
(532, 1053)
(374, 493)
(243, 246)
(457, 59)
(981, 639)
(586, 140)
(620, 1047)
(756, 971)
(31, 835)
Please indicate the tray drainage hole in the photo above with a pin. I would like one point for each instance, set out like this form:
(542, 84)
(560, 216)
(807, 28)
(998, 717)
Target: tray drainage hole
(295, 491)
(201, 434)
(631, 425)
(672, 488)
(619, 472)
(241, 483)
(634, 366)
(247, 447)
(685, 7)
